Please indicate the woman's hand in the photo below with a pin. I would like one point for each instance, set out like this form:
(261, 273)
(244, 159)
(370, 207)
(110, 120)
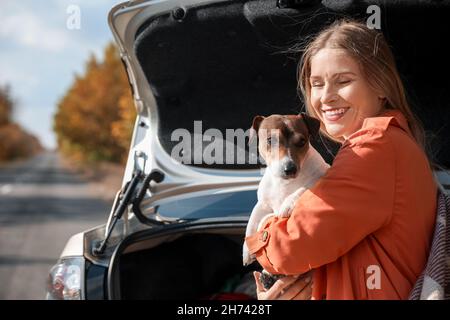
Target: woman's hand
(287, 288)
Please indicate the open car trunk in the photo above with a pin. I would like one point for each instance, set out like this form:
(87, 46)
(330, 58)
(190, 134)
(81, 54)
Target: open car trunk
(223, 62)
(203, 264)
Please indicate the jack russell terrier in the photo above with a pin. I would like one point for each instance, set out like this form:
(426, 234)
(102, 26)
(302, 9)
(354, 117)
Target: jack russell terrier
(293, 166)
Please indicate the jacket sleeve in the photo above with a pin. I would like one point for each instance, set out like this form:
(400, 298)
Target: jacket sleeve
(352, 200)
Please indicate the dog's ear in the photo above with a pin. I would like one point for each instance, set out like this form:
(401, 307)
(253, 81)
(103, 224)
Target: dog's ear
(255, 127)
(312, 124)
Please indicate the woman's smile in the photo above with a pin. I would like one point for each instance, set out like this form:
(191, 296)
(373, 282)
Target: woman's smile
(333, 114)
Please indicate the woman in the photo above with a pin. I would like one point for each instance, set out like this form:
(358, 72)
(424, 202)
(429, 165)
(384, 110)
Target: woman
(365, 228)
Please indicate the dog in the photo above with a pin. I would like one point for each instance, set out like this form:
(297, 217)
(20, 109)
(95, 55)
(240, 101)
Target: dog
(293, 166)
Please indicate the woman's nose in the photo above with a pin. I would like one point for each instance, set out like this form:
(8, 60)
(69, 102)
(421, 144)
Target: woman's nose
(329, 94)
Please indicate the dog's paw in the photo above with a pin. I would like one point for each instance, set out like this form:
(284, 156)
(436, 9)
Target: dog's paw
(285, 209)
(247, 257)
(289, 203)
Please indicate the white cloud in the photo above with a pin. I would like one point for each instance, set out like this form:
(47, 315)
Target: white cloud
(39, 55)
(12, 76)
(28, 30)
(86, 4)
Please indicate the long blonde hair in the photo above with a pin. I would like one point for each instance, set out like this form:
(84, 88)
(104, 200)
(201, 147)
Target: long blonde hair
(370, 49)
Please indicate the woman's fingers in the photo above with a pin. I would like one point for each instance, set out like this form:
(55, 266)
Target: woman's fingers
(305, 294)
(279, 287)
(283, 282)
(259, 286)
(261, 292)
(275, 290)
(286, 288)
(300, 290)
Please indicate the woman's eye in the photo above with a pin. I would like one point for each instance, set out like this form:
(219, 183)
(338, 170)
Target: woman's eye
(317, 84)
(344, 81)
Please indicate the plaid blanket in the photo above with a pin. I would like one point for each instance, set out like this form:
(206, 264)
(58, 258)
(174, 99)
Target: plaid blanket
(434, 282)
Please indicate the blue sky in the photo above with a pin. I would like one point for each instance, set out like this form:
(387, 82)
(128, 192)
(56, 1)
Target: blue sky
(40, 55)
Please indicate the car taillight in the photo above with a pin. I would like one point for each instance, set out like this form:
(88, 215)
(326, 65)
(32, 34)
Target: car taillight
(64, 280)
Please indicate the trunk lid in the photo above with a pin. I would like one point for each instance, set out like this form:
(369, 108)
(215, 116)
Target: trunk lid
(223, 62)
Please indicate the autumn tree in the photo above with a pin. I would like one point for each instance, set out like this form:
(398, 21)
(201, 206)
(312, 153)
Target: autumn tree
(15, 143)
(6, 105)
(94, 119)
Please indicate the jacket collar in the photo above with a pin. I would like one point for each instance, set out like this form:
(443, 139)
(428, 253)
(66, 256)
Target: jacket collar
(389, 117)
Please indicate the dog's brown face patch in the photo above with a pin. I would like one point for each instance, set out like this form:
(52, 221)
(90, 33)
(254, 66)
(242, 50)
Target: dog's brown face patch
(283, 136)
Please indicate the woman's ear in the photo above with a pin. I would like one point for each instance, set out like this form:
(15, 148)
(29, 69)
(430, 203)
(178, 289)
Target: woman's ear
(311, 123)
(382, 100)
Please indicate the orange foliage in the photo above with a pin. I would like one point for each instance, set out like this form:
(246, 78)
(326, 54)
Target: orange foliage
(122, 129)
(95, 118)
(6, 105)
(15, 143)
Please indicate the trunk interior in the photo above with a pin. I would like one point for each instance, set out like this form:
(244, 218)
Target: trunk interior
(243, 55)
(199, 265)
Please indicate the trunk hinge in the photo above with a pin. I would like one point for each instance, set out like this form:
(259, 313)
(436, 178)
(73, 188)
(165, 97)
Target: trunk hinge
(127, 196)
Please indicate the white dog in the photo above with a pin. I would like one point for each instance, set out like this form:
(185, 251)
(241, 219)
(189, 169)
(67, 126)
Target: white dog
(293, 166)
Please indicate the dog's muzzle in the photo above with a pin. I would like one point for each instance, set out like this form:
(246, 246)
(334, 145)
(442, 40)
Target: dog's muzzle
(289, 169)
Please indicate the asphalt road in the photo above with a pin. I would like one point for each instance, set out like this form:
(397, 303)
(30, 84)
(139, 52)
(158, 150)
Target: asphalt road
(41, 206)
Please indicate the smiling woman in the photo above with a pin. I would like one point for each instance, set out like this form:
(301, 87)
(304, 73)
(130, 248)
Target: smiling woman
(365, 226)
(359, 80)
(340, 95)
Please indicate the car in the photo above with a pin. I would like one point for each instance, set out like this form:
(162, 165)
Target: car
(200, 70)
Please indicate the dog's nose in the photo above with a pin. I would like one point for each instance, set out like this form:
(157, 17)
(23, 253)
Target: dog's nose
(290, 169)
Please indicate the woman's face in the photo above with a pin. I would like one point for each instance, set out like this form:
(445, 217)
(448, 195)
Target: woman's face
(340, 95)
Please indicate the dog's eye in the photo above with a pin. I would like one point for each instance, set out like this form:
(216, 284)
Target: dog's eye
(301, 142)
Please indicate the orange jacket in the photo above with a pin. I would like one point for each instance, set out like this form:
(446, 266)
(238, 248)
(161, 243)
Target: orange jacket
(366, 226)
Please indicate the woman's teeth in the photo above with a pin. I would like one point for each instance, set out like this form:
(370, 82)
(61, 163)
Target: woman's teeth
(334, 114)
(335, 111)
